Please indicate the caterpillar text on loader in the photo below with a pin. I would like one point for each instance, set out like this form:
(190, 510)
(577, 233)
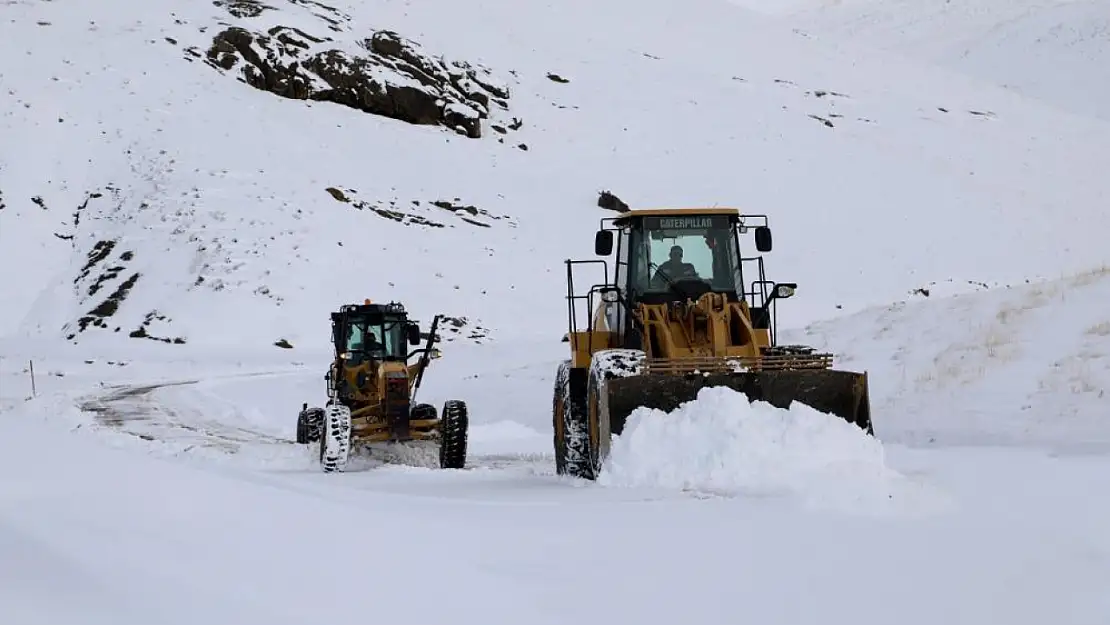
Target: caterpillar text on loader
(677, 313)
(372, 389)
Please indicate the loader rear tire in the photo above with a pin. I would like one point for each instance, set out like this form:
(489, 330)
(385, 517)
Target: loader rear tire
(454, 427)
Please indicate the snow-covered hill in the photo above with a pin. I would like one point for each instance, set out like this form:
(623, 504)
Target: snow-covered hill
(1056, 51)
(150, 191)
(173, 205)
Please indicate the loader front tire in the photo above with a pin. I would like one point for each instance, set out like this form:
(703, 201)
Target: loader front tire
(575, 450)
(454, 427)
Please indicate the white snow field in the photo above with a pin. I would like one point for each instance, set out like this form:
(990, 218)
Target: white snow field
(1056, 51)
(188, 502)
(163, 224)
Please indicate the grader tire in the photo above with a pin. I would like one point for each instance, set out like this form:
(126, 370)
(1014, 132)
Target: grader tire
(454, 429)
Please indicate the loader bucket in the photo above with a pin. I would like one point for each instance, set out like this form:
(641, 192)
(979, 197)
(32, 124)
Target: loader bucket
(840, 393)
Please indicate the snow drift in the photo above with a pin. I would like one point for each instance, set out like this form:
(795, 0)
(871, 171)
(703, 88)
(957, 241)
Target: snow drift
(721, 443)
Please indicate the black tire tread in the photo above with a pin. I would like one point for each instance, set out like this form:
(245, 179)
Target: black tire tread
(454, 429)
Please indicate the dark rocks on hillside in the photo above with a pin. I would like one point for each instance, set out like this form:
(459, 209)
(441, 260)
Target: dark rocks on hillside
(454, 328)
(394, 77)
(142, 333)
(102, 279)
(243, 8)
(827, 122)
(335, 19)
(108, 307)
(400, 212)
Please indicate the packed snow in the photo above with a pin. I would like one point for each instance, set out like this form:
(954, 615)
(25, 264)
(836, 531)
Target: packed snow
(173, 239)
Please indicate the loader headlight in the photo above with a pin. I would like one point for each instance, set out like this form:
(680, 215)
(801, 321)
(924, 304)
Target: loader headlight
(783, 291)
(610, 295)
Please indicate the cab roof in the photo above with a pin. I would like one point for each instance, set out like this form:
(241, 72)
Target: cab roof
(655, 212)
(369, 308)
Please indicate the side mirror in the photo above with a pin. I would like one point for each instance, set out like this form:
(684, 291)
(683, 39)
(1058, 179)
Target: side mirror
(763, 239)
(784, 290)
(603, 242)
(413, 331)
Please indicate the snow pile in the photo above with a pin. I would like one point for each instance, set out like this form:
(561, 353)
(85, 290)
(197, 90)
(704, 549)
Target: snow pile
(722, 443)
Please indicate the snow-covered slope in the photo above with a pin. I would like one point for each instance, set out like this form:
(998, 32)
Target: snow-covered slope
(149, 191)
(1057, 51)
(1028, 365)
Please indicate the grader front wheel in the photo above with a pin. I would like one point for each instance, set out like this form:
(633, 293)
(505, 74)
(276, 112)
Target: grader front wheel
(335, 440)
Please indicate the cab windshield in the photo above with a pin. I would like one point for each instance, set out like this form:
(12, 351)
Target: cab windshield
(669, 249)
(381, 339)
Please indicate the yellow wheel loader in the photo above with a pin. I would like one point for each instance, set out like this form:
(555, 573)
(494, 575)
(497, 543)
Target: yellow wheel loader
(372, 390)
(680, 308)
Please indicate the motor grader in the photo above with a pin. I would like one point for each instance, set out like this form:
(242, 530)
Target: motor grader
(372, 387)
(674, 313)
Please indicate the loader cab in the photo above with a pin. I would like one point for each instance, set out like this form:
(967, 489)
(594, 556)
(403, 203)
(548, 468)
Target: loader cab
(663, 256)
(671, 255)
(381, 332)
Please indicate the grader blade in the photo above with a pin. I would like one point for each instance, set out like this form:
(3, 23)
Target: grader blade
(840, 393)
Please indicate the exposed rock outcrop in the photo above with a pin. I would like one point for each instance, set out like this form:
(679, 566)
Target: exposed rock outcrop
(390, 76)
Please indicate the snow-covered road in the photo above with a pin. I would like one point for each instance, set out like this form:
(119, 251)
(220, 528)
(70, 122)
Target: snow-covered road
(203, 511)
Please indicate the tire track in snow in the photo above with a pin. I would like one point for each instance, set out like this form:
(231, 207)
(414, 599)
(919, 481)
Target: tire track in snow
(134, 409)
(137, 410)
